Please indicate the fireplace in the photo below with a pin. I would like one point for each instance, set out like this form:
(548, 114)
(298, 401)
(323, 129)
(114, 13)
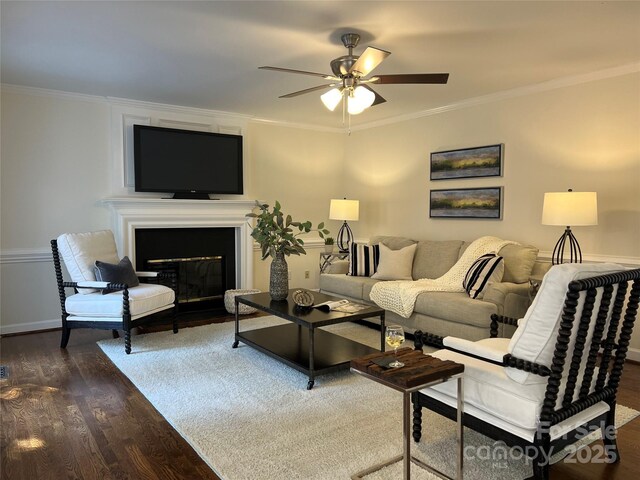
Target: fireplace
(190, 230)
(197, 256)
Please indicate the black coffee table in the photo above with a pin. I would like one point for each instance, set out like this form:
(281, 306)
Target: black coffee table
(315, 352)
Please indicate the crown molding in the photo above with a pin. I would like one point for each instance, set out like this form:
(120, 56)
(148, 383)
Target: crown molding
(121, 102)
(507, 94)
(166, 107)
(47, 92)
(466, 103)
(303, 126)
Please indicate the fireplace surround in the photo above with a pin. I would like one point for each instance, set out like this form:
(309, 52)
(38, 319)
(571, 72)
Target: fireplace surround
(133, 213)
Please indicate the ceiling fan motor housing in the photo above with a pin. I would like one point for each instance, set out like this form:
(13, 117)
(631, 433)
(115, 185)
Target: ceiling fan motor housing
(342, 65)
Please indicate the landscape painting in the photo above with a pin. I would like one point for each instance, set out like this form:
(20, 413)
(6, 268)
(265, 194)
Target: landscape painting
(466, 203)
(467, 163)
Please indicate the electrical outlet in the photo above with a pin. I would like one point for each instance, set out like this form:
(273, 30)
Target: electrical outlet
(306, 274)
(289, 274)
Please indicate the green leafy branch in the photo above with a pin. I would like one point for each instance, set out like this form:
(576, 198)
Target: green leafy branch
(276, 233)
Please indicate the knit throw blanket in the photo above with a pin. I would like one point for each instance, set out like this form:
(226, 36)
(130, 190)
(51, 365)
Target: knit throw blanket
(399, 296)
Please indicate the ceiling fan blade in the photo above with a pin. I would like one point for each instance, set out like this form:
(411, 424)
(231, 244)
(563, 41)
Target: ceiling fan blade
(307, 90)
(410, 78)
(370, 59)
(301, 72)
(379, 98)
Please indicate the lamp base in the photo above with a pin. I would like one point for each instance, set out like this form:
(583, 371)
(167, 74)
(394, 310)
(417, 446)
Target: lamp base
(575, 254)
(345, 237)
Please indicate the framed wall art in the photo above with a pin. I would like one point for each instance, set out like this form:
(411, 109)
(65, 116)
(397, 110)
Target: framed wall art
(467, 163)
(466, 203)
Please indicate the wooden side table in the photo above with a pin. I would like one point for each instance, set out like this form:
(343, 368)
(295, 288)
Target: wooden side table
(420, 371)
(326, 259)
(534, 285)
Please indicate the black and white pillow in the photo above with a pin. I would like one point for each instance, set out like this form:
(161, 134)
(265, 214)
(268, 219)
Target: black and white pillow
(363, 259)
(487, 269)
(122, 272)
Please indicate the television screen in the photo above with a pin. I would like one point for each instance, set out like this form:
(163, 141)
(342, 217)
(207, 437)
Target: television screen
(187, 163)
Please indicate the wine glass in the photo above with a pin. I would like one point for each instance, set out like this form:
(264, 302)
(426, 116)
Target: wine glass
(394, 335)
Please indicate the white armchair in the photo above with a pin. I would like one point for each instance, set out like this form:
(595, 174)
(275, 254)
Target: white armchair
(106, 305)
(558, 376)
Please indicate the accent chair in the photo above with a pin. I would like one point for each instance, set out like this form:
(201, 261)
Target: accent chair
(557, 378)
(108, 305)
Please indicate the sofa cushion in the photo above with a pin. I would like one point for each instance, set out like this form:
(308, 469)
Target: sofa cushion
(455, 307)
(363, 259)
(367, 285)
(518, 262)
(342, 285)
(434, 258)
(394, 243)
(79, 252)
(485, 270)
(395, 264)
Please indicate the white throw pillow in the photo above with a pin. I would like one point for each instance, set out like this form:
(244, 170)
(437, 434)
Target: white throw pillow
(395, 264)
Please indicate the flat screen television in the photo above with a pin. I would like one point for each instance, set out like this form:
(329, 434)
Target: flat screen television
(187, 163)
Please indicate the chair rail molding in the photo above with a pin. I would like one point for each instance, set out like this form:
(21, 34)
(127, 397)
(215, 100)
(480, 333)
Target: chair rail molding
(131, 213)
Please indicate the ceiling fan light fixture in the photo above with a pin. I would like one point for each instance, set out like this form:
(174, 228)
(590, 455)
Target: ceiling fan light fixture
(332, 98)
(365, 96)
(353, 107)
(361, 99)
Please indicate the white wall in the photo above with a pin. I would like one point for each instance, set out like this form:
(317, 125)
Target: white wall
(55, 167)
(585, 137)
(303, 170)
(57, 163)
(62, 154)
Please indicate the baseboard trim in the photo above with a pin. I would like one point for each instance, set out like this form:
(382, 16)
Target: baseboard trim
(633, 354)
(29, 327)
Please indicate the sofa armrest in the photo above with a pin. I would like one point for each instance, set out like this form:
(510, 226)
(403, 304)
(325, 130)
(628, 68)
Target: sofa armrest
(339, 266)
(498, 293)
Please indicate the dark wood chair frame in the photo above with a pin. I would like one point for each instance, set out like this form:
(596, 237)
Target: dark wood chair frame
(609, 347)
(126, 324)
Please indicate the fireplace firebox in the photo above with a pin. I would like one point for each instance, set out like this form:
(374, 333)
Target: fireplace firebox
(203, 260)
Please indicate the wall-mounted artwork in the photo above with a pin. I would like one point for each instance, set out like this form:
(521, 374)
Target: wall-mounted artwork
(466, 203)
(467, 163)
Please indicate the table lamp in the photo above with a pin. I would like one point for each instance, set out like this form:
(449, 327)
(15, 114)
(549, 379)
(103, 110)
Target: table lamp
(344, 210)
(569, 208)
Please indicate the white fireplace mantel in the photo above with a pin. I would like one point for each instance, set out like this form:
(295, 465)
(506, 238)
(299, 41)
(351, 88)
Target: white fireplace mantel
(131, 213)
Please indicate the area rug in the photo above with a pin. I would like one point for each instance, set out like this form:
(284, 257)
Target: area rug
(250, 417)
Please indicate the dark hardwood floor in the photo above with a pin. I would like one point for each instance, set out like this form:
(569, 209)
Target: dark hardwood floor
(70, 414)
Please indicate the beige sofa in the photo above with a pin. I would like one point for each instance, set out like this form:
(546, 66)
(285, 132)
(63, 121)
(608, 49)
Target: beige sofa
(444, 313)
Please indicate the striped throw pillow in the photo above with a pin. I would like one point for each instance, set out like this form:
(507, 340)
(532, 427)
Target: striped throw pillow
(363, 259)
(485, 270)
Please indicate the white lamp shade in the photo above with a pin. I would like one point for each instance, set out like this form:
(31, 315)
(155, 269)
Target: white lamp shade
(361, 99)
(571, 209)
(344, 209)
(332, 98)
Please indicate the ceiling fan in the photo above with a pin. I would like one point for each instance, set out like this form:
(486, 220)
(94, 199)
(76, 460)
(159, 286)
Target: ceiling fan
(349, 82)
